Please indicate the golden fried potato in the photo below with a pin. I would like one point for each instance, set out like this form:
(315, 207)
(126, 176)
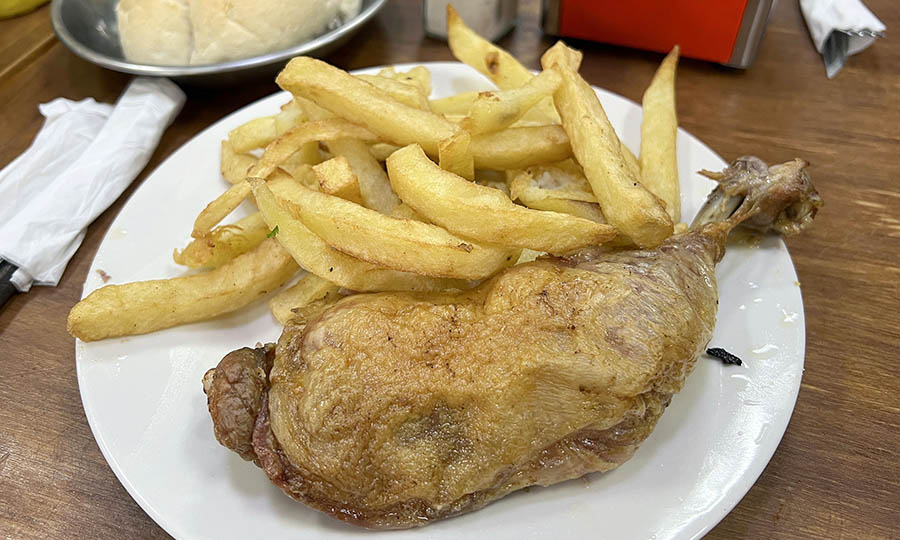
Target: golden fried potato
(455, 156)
(458, 104)
(235, 166)
(336, 178)
(317, 257)
(550, 182)
(223, 243)
(147, 306)
(493, 111)
(581, 209)
(627, 205)
(491, 61)
(358, 101)
(405, 93)
(217, 209)
(290, 117)
(659, 130)
(517, 148)
(631, 160)
(374, 186)
(381, 151)
(256, 133)
(275, 153)
(418, 76)
(404, 211)
(311, 288)
(482, 213)
(401, 244)
(291, 141)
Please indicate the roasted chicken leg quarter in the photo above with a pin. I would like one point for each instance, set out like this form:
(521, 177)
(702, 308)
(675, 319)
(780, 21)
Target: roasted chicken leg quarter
(393, 410)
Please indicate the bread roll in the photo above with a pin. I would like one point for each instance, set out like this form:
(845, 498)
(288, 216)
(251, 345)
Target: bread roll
(155, 31)
(181, 32)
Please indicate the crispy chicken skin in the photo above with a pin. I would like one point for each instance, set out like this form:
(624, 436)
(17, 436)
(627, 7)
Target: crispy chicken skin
(392, 410)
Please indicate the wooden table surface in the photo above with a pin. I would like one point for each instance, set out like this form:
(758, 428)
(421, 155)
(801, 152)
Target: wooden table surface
(835, 474)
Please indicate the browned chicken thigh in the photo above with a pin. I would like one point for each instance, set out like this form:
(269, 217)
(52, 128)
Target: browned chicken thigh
(392, 410)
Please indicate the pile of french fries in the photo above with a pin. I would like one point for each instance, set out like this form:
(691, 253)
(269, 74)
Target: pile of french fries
(363, 183)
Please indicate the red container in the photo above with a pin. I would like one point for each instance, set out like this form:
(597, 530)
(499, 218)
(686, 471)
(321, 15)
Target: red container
(724, 31)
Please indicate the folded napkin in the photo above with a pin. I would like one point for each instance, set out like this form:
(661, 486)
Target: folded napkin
(81, 160)
(840, 28)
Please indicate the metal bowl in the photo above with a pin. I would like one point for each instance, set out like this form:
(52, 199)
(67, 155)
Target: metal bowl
(90, 30)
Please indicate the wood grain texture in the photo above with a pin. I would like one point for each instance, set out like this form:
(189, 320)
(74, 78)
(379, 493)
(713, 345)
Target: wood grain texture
(835, 474)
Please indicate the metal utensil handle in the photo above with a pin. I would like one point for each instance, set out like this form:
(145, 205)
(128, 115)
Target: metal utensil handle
(7, 289)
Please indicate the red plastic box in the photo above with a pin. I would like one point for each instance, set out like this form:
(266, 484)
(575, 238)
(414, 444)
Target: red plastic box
(724, 31)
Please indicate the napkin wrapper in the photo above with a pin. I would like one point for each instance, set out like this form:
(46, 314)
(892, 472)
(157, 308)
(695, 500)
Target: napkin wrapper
(81, 160)
(839, 29)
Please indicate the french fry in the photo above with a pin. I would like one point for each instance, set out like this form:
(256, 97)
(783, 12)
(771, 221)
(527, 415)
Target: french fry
(418, 76)
(631, 160)
(223, 244)
(374, 186)
(147, 306)
(454, 155)
(311, 288)
(256, 133)
(512, 148)
(484, 213)
(221, 206)
(626, 204)
(407, 94)
(275, 153)
(536, 116)
(235, 166)
(549, 182)
(336, 178)
(458, 104)
(404, 211)
(317, 257)
(348, 97)
(301, 172)
(581, 209)
(493, 111)
(301, 163)
(492, 179)
(561, 187)
(290, 117)
(528, 255)
(659, 131)
(401, 244)
(381, 151)
(518, 148)
(491, 61)
(290, 142)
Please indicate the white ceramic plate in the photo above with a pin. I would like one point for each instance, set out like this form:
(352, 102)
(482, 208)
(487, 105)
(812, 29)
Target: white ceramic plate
(146, 407)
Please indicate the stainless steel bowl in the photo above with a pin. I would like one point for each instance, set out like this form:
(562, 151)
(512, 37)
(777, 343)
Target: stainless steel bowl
(89, 29)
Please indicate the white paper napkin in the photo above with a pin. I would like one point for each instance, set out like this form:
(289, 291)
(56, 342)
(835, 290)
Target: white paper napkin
(840, 28)
(82, 159)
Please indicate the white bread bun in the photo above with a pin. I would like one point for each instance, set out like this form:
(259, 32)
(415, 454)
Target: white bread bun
(155, 31)
(181, 32)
